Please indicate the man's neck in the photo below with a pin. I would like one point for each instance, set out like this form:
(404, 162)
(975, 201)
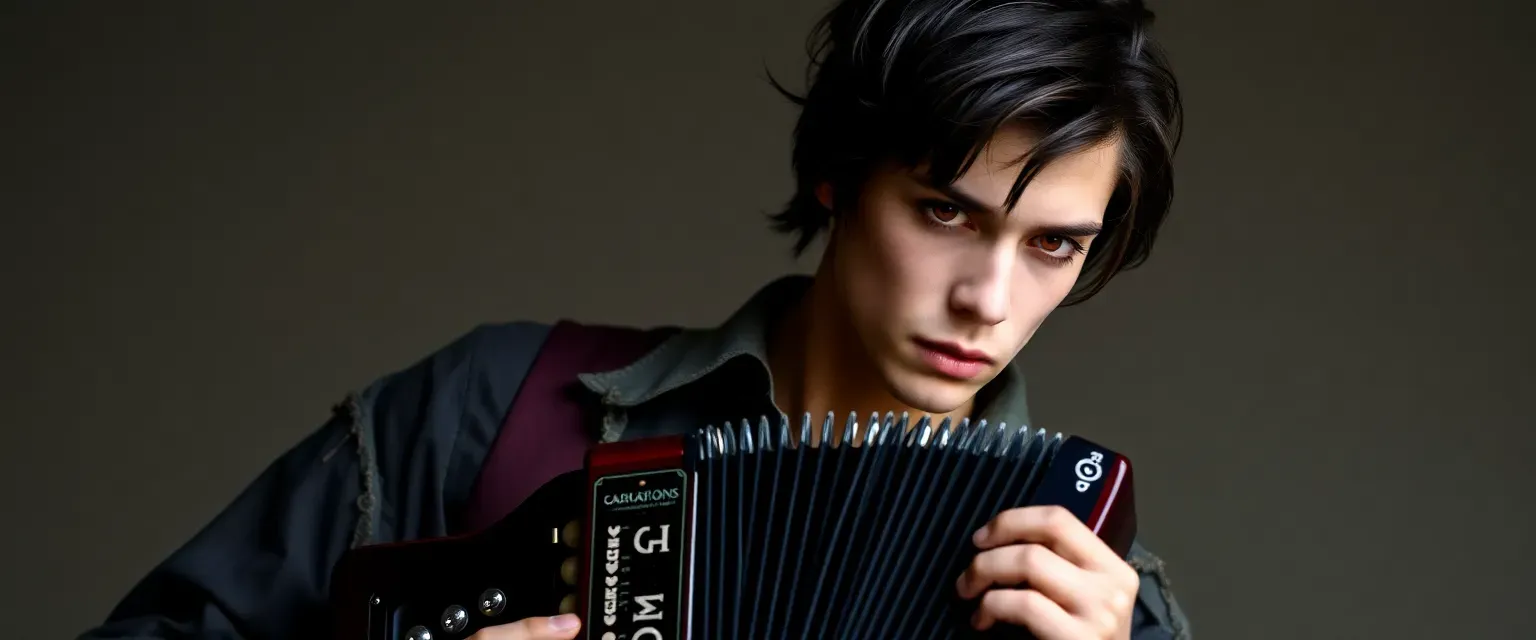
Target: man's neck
(819, 365)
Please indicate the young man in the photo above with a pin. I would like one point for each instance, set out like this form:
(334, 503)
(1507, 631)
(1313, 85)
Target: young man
(974, 163)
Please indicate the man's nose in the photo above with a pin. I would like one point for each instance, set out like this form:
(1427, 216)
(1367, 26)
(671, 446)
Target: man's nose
(985, 292)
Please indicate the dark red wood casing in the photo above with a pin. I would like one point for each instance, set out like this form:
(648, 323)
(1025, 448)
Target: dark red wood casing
(611, 458)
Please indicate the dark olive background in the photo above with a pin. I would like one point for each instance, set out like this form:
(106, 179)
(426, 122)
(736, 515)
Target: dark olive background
(218, 219)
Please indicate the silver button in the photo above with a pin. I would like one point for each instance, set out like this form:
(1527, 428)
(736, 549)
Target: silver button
(455, 618)
(492, 602)
(418, 632)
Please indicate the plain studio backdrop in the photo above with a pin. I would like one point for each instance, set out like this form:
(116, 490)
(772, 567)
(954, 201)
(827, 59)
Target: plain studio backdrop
(220, 219)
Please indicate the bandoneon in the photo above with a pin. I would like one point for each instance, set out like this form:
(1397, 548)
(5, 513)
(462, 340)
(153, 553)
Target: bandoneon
(743, 530)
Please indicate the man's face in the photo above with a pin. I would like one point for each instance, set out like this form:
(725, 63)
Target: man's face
(943, 287)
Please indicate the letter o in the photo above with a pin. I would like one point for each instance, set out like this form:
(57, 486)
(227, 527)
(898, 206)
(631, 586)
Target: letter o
(1089, 470)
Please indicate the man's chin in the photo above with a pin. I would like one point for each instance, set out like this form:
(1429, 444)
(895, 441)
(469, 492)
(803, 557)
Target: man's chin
(930, 395)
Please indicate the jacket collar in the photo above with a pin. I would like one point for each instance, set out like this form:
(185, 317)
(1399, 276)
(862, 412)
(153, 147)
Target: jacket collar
(693, 354)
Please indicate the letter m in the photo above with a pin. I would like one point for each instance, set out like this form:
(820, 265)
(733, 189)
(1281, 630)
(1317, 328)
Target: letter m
(648, 611)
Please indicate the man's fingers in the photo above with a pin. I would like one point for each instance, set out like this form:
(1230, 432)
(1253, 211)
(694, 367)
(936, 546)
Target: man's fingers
(1029, 609)
(1030, 564)
(1052, 526)
(555, 628)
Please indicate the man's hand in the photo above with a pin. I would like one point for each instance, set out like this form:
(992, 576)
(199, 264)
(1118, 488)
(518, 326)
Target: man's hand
(1075, 586)
(559, 627)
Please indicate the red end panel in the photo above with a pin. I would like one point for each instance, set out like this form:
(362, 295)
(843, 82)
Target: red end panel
(1095, 484)
(635, 455)
(1113, 517)
(612, 458)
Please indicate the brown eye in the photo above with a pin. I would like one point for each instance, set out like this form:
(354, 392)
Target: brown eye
(1059, 249)
(944, 215)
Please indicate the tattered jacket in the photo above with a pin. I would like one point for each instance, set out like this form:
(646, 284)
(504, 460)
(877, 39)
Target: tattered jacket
(399, 459)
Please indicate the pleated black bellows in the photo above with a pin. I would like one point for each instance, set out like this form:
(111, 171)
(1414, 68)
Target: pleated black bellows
(859, 537)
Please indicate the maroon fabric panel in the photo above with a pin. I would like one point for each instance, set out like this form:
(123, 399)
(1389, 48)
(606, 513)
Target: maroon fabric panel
(547, 431)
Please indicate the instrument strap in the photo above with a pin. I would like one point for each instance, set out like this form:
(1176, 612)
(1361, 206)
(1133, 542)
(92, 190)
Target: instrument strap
(551, 424)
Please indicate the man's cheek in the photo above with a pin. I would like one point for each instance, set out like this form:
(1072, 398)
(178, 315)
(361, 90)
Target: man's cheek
(928, 287)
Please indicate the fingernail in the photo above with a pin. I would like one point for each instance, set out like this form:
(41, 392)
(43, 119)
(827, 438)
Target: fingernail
(564, 621)
(960, 588)
(979, 537)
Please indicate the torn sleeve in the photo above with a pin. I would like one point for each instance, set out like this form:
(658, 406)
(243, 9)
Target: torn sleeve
(260, 568)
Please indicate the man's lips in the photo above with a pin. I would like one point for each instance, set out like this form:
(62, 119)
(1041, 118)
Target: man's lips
(954, 350)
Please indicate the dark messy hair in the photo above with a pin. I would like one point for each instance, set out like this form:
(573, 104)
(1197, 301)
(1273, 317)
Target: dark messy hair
(932, 81)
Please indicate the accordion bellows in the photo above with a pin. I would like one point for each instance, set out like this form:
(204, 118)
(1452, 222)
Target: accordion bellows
(746, 530)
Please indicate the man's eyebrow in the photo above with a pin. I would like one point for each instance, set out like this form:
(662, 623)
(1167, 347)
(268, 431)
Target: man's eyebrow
(1087, 229)
(970, 203)
(965, 200)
